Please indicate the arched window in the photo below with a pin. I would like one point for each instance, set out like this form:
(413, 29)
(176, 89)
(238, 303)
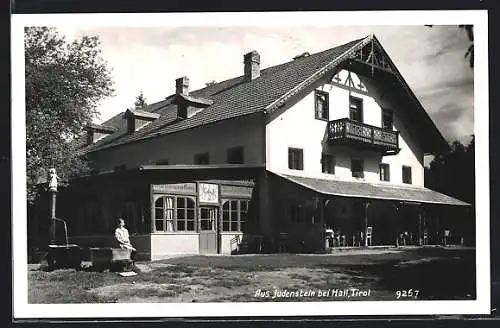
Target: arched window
(174, 213)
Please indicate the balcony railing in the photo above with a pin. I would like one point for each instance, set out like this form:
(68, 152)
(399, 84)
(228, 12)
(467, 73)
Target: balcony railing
(347, 130)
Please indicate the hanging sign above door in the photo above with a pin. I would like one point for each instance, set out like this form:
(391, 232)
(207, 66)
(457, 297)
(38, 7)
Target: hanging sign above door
(209, 193)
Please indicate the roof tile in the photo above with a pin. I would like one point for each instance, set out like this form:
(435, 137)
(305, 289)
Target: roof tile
(231, 98)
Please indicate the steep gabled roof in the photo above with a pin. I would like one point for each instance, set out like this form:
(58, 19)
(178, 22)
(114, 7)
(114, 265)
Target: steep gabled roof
(231, 98)
(235, 97)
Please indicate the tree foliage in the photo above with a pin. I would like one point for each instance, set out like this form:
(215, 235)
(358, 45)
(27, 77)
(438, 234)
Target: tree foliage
(469, 29)
(140, 101)
(64, 83)
(453, 172)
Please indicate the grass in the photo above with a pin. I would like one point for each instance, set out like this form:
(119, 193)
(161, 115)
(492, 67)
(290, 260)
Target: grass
(437, 273)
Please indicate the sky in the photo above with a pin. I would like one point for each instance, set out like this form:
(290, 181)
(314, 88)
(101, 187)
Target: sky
(149, 59)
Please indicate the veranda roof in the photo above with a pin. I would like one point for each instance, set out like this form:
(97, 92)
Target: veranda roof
(381, 191)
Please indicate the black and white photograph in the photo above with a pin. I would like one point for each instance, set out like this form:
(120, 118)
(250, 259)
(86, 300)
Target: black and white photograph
(319, 163)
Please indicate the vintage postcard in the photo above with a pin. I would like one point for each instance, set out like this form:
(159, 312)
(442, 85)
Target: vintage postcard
(250, 164)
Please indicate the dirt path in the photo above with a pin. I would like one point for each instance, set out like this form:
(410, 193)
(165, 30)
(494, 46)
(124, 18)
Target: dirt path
(216, 285)
(275, 277)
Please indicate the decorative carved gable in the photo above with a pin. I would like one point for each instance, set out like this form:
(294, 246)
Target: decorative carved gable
(350, 81)
(374, 56)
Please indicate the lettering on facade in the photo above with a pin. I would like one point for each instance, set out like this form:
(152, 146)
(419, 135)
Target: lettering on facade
(209, 193)
(238, 191)
(178, 188)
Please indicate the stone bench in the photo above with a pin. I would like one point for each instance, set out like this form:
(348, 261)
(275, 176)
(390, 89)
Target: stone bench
(116, 259)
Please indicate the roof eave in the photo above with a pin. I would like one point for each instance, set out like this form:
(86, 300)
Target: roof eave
(435, 141)
(317, 75)
(456, 202)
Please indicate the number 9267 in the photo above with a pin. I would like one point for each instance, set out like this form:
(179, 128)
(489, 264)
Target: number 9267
(407, 293)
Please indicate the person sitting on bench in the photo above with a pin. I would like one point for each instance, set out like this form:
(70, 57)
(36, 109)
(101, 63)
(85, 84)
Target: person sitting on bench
(122, 237)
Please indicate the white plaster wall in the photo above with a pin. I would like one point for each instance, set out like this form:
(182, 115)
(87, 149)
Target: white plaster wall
(295, 126)
(411, 153)
(226, 241)
(180, 148)
(163, 245)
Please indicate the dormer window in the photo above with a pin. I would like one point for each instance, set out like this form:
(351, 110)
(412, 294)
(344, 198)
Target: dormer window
(97, 132)
(137, 119)
(187, 105)
(321, 105)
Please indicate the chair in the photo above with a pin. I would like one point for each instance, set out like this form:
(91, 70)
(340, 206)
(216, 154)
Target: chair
(282, 242)
(368, 239)
(343, 240)
(328, 238)
(361, 238)
(426, 237)
(447, 235)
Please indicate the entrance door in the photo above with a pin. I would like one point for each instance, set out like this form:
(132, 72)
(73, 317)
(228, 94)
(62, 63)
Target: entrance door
(208, 230)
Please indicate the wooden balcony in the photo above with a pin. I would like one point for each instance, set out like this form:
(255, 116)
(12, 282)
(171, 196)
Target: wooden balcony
(348, 132)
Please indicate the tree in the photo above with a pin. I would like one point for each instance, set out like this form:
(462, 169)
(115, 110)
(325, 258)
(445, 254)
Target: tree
(64, 83)
(469, 29)
(140, 101)
(453, 172)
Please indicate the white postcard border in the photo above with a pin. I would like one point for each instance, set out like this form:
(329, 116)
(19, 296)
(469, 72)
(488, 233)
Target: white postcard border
(481, 117)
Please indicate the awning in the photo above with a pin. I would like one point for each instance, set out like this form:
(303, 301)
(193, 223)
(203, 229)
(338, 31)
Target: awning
(370, 190)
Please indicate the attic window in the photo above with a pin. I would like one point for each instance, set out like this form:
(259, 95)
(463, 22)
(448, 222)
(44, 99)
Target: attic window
(137, 119)
(188, 106)
(97, 132)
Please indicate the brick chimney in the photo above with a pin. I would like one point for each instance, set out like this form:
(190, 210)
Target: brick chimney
(182, 86)
(252, 65)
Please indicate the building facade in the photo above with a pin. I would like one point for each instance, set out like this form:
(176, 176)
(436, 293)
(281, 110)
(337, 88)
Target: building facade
(325, 150)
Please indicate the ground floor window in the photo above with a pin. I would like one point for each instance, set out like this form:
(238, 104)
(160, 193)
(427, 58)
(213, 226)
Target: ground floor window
(235, 215)
(173, 213)
(185, 214)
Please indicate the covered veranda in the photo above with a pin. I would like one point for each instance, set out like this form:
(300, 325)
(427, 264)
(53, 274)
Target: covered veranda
(362, 214)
